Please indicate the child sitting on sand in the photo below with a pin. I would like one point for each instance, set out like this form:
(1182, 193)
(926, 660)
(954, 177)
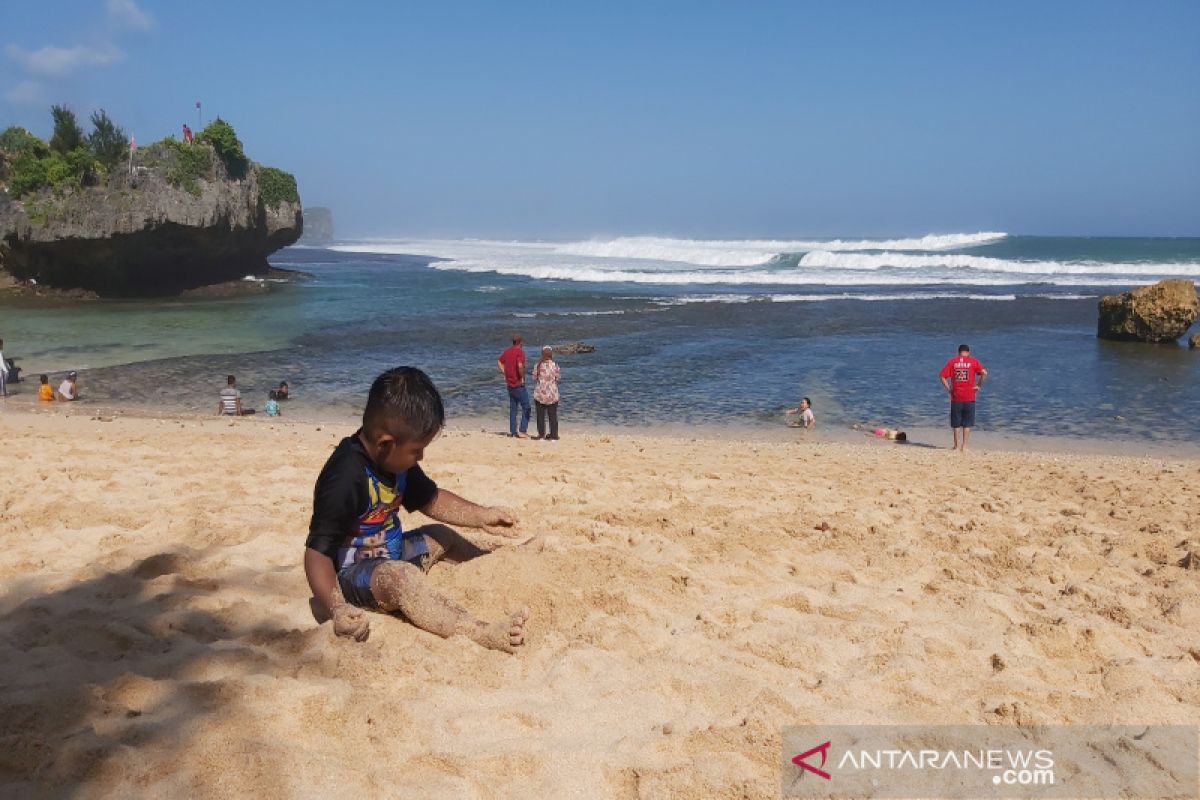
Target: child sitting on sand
(45, 390)
(358, 556)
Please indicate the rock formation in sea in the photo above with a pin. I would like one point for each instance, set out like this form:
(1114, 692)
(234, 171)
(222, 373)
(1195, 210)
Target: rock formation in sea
(181, 216)
(574, 348)
(1159, 313)
(318, 226)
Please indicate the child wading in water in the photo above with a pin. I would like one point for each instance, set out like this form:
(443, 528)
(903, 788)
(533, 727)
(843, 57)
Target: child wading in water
(358, 556)
(271, 407)
(807, 419)
(45, 390)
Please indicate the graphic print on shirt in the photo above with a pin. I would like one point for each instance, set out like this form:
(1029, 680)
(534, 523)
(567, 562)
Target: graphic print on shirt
(380, 534)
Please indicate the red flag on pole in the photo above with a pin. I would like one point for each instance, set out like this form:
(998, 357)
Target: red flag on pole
(197, 104)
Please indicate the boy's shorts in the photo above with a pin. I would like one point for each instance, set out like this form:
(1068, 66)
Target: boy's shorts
(355, 580)
(962, 414)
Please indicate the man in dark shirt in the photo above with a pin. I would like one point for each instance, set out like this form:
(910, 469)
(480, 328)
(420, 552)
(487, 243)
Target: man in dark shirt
(358, 555)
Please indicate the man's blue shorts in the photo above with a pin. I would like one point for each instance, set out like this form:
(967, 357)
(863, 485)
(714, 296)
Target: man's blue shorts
(355, 580)
(962, 414)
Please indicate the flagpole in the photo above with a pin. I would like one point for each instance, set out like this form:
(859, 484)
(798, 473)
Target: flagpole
(198, 122)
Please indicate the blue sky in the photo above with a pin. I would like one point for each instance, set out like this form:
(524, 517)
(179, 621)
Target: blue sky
(692, 119)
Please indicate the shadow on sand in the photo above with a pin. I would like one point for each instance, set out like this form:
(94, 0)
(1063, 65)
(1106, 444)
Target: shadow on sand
(100, 674)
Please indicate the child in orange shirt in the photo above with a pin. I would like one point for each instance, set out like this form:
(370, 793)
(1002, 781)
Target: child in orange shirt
(44, 391)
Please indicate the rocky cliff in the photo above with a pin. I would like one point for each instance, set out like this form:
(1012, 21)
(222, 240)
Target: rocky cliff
(178, 220)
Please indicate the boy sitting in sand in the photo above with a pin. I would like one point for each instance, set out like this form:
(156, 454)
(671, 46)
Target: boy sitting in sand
(358, 556)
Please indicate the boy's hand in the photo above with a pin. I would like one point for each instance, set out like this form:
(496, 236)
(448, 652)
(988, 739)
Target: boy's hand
(351, 622)
(499, 522)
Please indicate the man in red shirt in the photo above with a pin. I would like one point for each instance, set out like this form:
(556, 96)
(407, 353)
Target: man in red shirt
(512, 365)
(958, 376)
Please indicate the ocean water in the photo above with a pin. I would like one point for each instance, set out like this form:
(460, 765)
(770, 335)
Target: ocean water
(687, 332)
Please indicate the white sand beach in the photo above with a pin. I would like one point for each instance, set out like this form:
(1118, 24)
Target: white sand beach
(695, 595)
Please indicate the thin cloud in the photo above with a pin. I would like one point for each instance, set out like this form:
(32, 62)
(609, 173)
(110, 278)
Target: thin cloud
(57, 61)
(25, 93)
(125, 13)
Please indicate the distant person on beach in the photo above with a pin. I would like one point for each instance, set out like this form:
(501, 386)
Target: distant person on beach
(69, 388)
(958, 378)
(892, 434)
(545, 393)
(512, 366)
(231, 399)
(271, 408)
(807, 418)
(3, 371)
(45, 390)
(358, 557)
(283, 391)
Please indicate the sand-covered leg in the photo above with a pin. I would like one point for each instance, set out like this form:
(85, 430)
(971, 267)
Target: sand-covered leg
(446, 543)
(400, 586)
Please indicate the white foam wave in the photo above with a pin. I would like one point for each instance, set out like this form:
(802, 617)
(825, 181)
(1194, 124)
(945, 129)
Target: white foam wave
(611, 313)
(752, 263)
(818, 298)
(823, 259)
(794, 277)
(755, 252)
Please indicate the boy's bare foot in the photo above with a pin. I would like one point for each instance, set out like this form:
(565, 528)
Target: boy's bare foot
(522, 435)
(506, 635)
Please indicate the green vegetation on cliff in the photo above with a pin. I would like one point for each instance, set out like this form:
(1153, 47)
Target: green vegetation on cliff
(68, 161)
(277, 187)
(71, 160)
(221, 136)
(187, 163)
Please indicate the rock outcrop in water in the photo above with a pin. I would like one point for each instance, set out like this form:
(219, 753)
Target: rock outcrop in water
(181, 219)
(318, 226)
(1159, 313)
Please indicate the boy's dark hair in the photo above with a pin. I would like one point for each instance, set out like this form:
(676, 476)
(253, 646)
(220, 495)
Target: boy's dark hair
(272, 396)
(516, 339)
(808, 401)
(283, 384)
(230, 380)
(43, 378)
(962, 348)
(404, 402)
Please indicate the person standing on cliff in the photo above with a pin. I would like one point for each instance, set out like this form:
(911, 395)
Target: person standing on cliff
(187, 134)
(512, 366)
(958, 378)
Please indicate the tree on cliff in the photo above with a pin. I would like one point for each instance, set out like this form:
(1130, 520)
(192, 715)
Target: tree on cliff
(108, 140)
(223, 138)
(67, 133)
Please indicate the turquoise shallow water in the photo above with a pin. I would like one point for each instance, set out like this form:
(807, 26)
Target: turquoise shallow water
(701, 341)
